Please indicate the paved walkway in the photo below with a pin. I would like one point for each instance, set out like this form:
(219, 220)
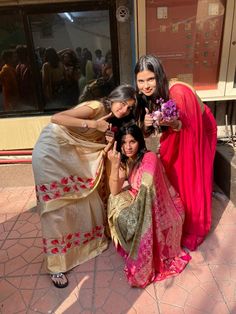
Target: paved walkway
(207, 285)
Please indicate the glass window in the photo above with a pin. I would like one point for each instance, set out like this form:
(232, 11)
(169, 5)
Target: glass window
(186, 35)
(73, 51)
(17, 92)
(54, 56)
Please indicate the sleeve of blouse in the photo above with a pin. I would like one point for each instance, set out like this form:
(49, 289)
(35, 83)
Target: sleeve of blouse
(96, 106)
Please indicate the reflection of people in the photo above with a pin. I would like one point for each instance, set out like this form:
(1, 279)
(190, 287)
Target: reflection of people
(71, 73)
(87, 65)
(68, 165)
(8, 80)
(24, 77)
(187, 155)
(52, 76)
(100, 87)
(146, 217)
(98, 63)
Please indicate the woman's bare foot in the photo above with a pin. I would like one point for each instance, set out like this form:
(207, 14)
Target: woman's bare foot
(59, 280)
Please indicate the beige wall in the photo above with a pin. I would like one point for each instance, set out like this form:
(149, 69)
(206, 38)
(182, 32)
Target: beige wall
(21, 133)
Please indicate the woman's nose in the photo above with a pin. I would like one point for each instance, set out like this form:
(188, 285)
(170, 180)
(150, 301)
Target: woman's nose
(146, 84)
(125, 110)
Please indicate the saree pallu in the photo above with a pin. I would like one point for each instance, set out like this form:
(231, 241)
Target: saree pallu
(188, 158)
(146, 225)
(67, 170)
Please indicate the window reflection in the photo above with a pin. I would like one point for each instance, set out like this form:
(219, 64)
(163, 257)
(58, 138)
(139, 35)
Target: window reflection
(16, 90)
(73, 52)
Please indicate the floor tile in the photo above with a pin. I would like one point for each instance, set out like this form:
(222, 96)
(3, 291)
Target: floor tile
(207, 285)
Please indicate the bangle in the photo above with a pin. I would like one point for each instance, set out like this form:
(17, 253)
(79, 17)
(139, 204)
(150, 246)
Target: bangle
(84, 125)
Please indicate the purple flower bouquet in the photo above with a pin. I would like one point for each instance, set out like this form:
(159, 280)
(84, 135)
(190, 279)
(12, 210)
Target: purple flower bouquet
(167, 111)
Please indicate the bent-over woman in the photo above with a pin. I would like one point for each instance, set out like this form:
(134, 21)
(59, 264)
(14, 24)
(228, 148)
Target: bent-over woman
(68, 162)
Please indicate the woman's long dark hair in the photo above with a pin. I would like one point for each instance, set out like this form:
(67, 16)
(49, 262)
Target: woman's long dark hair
(153, 64)
(51, 57)
(137, 134)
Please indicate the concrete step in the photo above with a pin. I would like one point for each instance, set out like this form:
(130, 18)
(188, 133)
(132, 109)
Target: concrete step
(225, 169)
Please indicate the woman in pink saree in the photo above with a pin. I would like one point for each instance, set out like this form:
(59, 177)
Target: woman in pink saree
(146, 214)
(187, 146)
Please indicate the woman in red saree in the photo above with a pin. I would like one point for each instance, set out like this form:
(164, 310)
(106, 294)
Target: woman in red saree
(187, 147)
(146, 214)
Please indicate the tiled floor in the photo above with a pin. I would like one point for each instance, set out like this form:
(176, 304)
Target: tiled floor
(207, 285)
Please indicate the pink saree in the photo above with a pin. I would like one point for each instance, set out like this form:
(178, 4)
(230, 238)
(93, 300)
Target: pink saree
(188, 158)
(146, 225)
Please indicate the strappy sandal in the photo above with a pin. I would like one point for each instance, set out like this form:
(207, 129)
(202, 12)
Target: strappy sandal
(59, 280)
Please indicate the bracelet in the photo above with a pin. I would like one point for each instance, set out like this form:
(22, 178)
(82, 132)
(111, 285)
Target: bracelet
(84, 125)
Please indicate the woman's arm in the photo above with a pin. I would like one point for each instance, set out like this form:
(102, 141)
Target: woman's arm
(81, 117)
(117, 174)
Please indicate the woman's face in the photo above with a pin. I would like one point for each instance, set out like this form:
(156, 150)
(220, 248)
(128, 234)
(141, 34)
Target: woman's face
(129, 146)
(146, 82)
(66, 59)
(122, 109)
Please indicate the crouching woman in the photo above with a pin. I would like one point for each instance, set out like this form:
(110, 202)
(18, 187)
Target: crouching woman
(145, 213)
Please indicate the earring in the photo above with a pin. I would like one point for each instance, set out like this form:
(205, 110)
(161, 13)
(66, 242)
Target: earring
(140, 92)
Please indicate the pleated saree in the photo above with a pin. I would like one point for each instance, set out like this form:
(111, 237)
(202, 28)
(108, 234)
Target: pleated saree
(188, 158)
(68, 166)
(146, 225)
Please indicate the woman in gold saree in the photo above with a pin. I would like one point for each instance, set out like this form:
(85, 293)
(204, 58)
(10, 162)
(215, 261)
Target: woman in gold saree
(145, 215)
(68, 162)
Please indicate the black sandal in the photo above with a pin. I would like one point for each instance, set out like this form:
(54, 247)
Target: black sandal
(59, 280)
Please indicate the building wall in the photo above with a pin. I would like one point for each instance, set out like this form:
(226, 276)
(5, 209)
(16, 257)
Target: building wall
(22, 132)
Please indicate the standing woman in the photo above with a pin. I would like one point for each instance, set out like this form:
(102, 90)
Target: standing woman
(53, 78)
(188, 144)
(68, 162)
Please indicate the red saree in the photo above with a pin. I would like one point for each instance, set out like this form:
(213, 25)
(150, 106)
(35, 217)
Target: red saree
(146, 225)
(188, 158)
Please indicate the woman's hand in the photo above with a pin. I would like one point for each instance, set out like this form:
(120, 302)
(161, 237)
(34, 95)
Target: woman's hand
(175, 124)
(102, 125)
(148, 119)
(114, 156)
(110, 141)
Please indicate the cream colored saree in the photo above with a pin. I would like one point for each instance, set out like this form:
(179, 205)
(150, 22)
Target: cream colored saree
(68, 166)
